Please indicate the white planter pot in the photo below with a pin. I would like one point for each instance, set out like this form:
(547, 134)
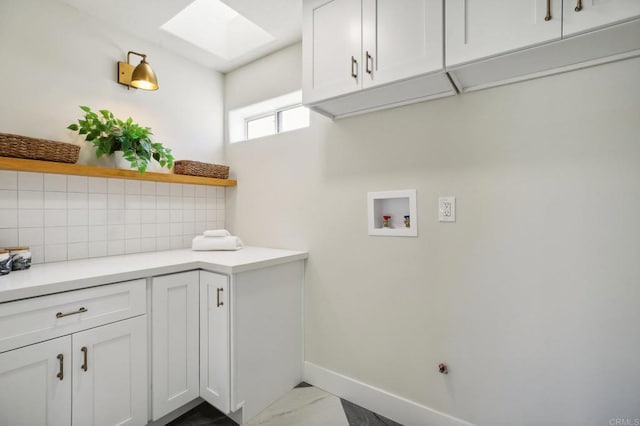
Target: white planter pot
(120, 162)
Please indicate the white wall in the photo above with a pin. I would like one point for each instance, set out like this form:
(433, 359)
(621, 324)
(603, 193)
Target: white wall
(531, 297)
(55, 59)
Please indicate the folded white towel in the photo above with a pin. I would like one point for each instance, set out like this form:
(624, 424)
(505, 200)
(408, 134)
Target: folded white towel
(216, 233)
(202, 243)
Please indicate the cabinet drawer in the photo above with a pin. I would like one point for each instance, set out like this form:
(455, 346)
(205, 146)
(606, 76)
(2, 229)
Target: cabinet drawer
(33, 320)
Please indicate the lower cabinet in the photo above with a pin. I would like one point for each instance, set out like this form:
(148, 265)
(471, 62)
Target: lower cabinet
(94, 377)
(214, 340)
(233, 340)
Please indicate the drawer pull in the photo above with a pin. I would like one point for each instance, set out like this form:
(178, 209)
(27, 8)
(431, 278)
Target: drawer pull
(79, 311)
(219, 302)
(60, 374)
(84, 354)
(578, 6)
(354, 68)
(548, 16)
(369, 59)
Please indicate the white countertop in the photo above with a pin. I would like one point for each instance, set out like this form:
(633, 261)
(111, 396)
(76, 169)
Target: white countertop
(63, 276)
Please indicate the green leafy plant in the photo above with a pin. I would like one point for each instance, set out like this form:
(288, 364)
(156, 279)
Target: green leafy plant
(109, 134)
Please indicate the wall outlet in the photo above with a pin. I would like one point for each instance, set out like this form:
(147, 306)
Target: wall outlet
(447, 209)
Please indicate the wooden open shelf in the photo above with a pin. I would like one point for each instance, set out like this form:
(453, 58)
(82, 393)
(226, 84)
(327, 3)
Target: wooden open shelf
(21, 165)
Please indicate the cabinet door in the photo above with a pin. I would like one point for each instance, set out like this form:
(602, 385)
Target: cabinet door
(401, 39)
(35, 384)
(175, 345)
(587, 15)
(332, 48)
(110, 374)
(477, 29)
(215, 370)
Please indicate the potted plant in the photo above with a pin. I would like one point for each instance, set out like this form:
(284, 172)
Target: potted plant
(109, 135)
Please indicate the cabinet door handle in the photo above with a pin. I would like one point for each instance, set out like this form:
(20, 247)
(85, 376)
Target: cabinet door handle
(578, 6)
(354, 68)
(84, 354)
(79, 311)
(60, 374)
(219, 303)
(548, 16)
(369, 58)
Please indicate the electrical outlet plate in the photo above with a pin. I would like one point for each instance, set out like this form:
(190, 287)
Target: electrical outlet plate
(447, 209)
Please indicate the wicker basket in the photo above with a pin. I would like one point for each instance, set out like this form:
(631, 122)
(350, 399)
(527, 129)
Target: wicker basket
(37, 149)
(196, 168)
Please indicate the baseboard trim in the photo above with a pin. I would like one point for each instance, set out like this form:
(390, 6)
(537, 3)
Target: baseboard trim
(392, 406)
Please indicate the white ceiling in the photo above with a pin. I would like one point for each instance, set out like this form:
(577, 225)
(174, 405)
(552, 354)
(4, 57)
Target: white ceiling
(282, 19)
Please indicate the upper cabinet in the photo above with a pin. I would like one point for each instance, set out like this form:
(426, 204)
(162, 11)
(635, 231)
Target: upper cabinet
(361, 55)
(493, 42)
(479, 29)
(585, 15)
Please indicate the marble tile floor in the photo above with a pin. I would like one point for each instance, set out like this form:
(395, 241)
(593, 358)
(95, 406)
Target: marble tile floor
(305, 405)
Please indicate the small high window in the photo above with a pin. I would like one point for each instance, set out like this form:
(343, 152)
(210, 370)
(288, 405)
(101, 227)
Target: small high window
(269, 117)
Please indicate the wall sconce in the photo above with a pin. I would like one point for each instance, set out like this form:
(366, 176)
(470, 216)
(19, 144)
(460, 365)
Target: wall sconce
(139, 77)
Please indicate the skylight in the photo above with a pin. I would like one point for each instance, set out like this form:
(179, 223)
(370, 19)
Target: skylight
(217, 28)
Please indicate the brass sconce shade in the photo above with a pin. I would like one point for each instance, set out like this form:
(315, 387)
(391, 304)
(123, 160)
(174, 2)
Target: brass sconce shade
(140, 77)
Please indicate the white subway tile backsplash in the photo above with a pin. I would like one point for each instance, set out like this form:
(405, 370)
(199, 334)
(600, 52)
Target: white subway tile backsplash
(8, 180)
(176, 242)
(115, 247)
(30, 181)
(30, 218)
(188, 190)
(147, 244)
(132, 202)
(98, 233)
(55, 200)
(97, 201)
(97, 185)
(132, 187)
(8, 237)
(77, 234)
(163, 188)
(115, 201)
(78, 200)
(8, 218)
(131, 216)
(30, 199)
(176, 216)
(78, 184)
(97, 249)
(148, 188)
(64, 217)
(115, 232)
(78, 217)
(163, 216)
(163, 243)
(132, 231)
(200, 191)
(132, 246)
(147, 202)
(115, 186)
(8, 199)
(30, 236)
(148, 216)
(55, 183)
(78, 251)
(55, 253)
(55, 235)
(163, 202)
(37, 254)
(97, 217)
(115, 217)
(55, 218)
(176, 190)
